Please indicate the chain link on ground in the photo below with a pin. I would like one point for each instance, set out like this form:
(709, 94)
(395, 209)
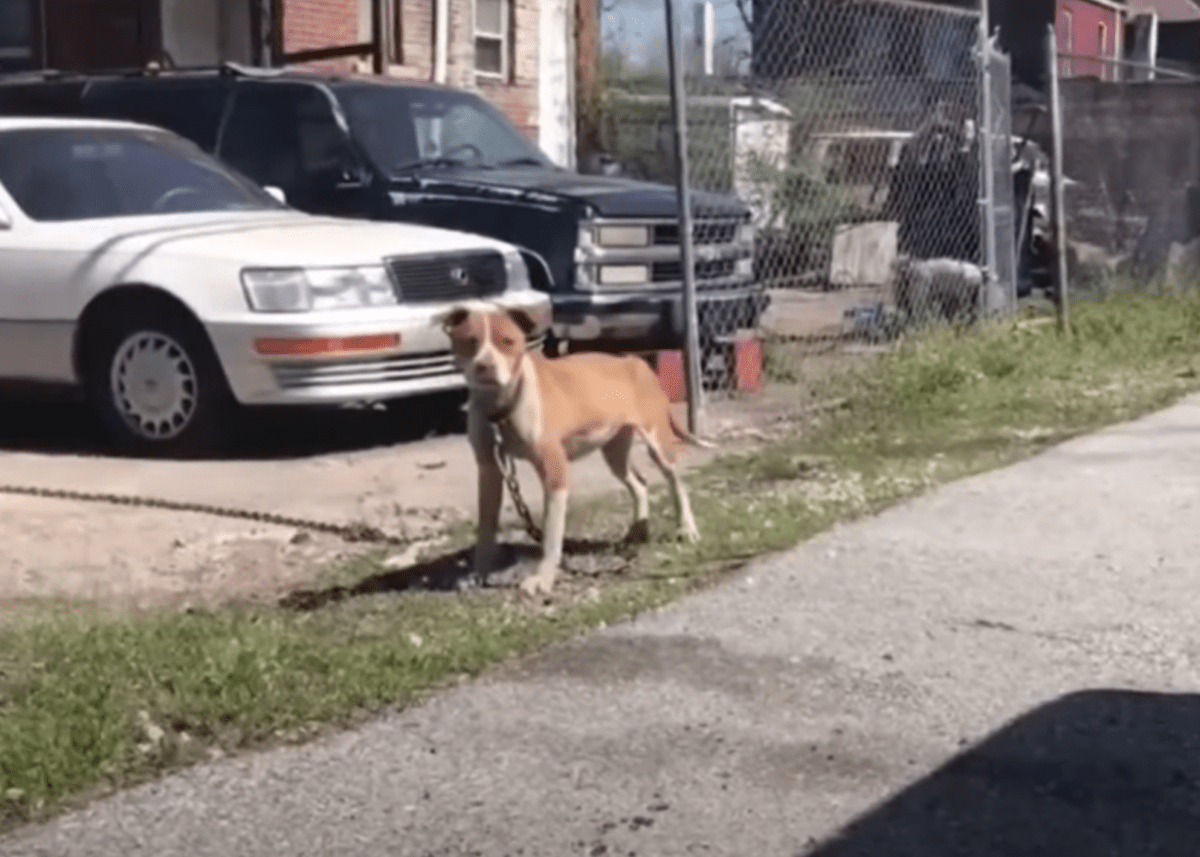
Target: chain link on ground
(349, 532)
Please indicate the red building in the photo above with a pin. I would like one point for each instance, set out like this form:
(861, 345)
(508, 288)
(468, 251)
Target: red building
(1086, 29)
(517, 53)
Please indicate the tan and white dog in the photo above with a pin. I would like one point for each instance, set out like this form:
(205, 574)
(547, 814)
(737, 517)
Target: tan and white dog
(552, 412)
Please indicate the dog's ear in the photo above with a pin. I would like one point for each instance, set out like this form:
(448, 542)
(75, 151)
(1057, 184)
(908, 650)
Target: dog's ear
(451, 318)
(523, 320)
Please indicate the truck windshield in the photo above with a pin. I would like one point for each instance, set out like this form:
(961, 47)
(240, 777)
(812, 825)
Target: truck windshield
(407, 129)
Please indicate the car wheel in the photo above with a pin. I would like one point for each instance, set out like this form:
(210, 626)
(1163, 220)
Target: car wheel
(157, 385)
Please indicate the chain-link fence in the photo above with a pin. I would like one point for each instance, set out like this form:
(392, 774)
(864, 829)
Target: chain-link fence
(848, 129)
(1131, 172)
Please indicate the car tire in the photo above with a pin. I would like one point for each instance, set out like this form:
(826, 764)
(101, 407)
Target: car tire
(156, 384)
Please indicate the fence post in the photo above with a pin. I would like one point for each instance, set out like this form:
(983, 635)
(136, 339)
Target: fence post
(691, 347)
(1056, 184)
(983, 139)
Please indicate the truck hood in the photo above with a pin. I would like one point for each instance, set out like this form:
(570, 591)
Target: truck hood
(278, 238)
(610, 196)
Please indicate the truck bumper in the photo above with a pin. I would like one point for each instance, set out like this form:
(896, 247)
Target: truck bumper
(652, 321)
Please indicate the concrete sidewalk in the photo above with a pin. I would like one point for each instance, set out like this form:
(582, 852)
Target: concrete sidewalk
(952, 677)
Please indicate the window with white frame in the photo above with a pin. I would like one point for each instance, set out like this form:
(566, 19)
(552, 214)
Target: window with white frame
(491, 37)
(1066, 42)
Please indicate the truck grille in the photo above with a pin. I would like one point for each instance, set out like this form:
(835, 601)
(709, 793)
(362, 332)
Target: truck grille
(444, 277)
(703, 232)
(666, 272)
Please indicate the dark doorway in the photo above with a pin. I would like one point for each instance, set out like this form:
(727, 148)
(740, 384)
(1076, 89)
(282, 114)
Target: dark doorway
(102, 34)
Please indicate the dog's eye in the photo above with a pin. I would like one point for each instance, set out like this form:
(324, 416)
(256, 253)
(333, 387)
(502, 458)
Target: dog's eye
(507, 342)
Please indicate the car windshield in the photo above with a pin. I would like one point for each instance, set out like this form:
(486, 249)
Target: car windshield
(61, 174)
(404, 129)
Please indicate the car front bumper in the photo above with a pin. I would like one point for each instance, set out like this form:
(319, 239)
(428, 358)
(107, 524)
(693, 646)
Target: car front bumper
(418, 364)
(645, 320)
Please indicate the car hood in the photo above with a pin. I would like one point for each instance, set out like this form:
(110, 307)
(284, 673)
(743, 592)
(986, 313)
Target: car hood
(610, 196)
(279, 238)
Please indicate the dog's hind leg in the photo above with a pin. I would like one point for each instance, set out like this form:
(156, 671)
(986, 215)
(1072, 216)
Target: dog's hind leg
(665, 460)
(617, 454)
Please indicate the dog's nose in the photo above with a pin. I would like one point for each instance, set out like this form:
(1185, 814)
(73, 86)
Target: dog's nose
(485, 371)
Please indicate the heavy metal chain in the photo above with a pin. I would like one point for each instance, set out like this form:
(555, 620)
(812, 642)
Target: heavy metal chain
(508, 467)
(357, 532)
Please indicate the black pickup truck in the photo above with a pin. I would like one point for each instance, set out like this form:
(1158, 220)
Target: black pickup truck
(605, 248)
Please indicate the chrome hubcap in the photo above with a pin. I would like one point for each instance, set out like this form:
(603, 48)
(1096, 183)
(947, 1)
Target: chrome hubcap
(154, 385)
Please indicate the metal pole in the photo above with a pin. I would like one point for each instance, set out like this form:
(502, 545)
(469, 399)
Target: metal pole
(379, 39)
(691, 334)
(987, 160)
(1062, 309)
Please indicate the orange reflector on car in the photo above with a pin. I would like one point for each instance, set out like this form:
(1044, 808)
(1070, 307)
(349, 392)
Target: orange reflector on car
(310, 346)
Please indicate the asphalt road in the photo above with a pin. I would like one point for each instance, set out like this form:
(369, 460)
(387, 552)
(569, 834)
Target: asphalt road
(1005, 667)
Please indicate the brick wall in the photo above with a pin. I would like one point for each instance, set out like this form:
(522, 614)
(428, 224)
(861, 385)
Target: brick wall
(311, 24)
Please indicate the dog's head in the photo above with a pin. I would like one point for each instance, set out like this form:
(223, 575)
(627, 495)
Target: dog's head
(488, 343)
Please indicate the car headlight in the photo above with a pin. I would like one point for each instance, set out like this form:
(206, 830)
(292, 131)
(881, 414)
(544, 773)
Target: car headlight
(310, 289)
(516, 272)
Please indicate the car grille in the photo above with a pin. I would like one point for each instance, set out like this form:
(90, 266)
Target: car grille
(703, 232)
(445, 277)
(301, 374)
(306, 374)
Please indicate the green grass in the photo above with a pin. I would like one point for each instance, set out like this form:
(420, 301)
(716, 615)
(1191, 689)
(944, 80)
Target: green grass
(91, 701)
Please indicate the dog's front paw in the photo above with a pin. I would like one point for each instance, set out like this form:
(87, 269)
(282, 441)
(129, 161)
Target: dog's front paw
(690, 535)
(539, 583)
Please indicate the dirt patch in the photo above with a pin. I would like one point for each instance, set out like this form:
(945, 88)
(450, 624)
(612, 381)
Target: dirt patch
(139, 557)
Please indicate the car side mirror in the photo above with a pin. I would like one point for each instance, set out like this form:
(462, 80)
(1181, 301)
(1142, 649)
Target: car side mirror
(276, 192)
(351, 175)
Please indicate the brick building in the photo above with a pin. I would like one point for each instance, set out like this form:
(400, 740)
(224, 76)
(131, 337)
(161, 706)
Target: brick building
(1090, 28)
(517, 53)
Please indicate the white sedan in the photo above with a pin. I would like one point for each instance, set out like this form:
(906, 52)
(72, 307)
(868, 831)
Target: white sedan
(170, 289)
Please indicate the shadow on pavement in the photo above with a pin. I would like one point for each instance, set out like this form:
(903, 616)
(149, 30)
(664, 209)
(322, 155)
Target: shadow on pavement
(1111, 773)
(69, 428)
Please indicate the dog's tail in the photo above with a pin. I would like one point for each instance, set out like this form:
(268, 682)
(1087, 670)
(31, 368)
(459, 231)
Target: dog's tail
(686, 436)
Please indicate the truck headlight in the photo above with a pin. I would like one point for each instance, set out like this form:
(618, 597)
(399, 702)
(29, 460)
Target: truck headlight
(623, 236)
(624, 275)
(312, 289)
